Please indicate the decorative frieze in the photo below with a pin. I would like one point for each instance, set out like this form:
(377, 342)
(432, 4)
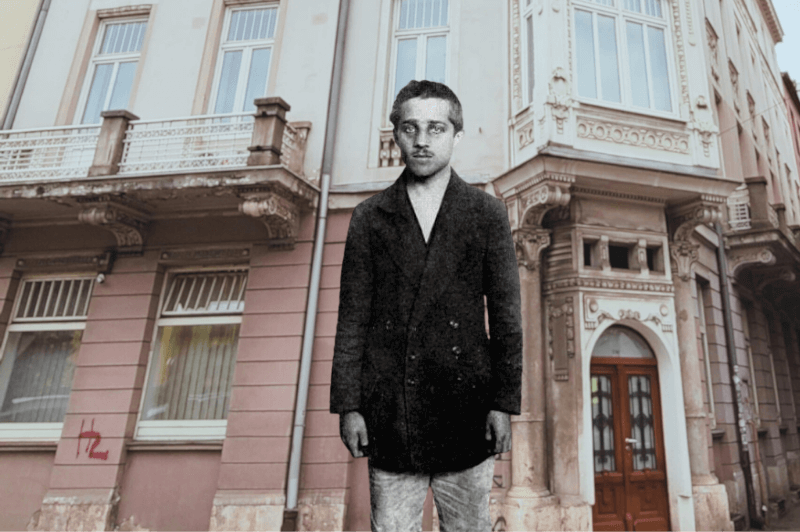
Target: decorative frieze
(516, 55)
(561, 338)
(598, 310)
(643, 137)
(204, 255)
(525, 135)
(100, 263)
(607, 284)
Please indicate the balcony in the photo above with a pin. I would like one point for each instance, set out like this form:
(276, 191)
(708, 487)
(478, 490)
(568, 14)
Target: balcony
(135, 169)
(763, 252)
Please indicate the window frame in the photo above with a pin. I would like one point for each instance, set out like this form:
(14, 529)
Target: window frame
(184, 429)
(420, 34)
(528, 41)
(246, 46)
(621, 16)
(96, 59)
(39, 431)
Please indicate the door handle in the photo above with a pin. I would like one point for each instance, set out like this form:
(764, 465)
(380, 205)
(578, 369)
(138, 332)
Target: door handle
(631, 440)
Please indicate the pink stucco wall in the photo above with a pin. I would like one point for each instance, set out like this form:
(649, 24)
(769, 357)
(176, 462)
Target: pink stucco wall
(24, 477)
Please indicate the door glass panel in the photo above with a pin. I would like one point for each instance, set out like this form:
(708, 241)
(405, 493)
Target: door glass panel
(641, 409)
(602, 424)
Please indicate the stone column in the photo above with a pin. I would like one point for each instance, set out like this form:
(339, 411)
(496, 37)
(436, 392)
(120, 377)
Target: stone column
(270, 123)
(110, 145)
(710, 497)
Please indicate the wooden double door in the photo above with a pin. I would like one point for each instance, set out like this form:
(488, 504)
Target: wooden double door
(629, 464)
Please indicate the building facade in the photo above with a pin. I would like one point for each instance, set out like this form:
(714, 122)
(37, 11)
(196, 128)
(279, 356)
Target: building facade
(175, 192)
(16, 28)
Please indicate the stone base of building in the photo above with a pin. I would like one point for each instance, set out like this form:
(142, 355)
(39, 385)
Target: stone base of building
(239, 510)
(321, 510)
(89, 510)
(711, 510)
(544, 512)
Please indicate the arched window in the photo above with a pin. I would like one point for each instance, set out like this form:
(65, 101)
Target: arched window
(623, 342)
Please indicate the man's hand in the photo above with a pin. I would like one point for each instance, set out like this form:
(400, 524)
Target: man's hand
(498, 429)
(353, 430)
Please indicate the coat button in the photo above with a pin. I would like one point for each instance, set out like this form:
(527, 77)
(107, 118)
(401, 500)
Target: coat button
(413, 328)
(456, 350)
(411, 381)
(388, 324)
(413, 357)
(454, 324)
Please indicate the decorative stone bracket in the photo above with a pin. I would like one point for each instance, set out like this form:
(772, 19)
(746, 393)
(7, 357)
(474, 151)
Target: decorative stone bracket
(683, 219)
(529, 243)
(759, 256)
(280, 216)
(529, 202)
(126, 223)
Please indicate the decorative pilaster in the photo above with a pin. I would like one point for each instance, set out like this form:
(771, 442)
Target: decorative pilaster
(125, 222)
(711, 505)
(529, 505)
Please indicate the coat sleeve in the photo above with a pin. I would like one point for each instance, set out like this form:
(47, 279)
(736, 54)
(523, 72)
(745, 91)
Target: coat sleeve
(501, 287)
(355, 305)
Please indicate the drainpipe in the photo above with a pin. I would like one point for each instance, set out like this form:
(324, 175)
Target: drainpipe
(756, 519)
(295, 458)
(24, 70)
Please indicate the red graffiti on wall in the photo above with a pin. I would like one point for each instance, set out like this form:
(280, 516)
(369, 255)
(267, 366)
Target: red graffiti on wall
(91, 434)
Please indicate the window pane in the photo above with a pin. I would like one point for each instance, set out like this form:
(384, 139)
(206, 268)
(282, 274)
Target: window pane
(641, 410)
(191, 372)
(653, 7)
(122, 86)
(437, 59)
(406, 63)
(634, 5)
(416, 14)
(36, 375)
(603, 424)
(257, 80)
(123, 38)
(228, 81)
(658, 69)
(585, 42)
(529, 28)
(609, 68)
(110, 39)
(97, 94)
(638, 65)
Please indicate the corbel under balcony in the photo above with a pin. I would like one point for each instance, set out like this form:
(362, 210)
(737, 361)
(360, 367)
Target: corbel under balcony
(125, 222)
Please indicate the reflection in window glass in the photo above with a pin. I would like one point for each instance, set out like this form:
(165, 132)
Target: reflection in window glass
(638, 65)
(406, 63)
(609, 67)
(227, 83)
(584, 36)
(658, 60)
(257, 81)
(437, 58)
(97, 94)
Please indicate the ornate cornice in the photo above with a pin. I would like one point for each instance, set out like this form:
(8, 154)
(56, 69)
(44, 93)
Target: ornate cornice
(125, 222)
(280, 216)
(529, 244)
(607, 284)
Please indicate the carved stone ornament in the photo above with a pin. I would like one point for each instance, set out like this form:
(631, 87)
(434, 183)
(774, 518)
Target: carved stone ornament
(558, 98)
(516, 55)
(713, 47)
(740, 258)
(529, 202)
(529, 244)
(279, 215)
(598, 310)
(684, 254)
(606, 284)
(525, 135)
(642, 137)
(707, 131)
(683, 219)
(125, 222)
(561, 341)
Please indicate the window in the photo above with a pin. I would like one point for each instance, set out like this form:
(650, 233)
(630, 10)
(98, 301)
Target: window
(528, 54)
(39, 354)
(246, 55)
(113, 68)
(622, 53)
(189, 379)
(420, 41)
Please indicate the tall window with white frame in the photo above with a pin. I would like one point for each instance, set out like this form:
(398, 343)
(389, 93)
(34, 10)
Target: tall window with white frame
(622, 50)
(528, 55)
(187, 393)
(244, 58)
(39, 353)
(114, 61)
(420, 49)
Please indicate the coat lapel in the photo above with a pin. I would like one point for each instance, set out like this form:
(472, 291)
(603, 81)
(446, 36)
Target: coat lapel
(401, 235)
(446, 248)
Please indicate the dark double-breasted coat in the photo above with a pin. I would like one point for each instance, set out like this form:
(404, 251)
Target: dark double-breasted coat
(412, 353)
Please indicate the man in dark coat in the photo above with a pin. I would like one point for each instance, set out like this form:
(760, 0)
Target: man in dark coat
(419, 385)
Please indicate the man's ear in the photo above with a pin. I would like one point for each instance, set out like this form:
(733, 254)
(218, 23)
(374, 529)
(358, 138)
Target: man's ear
(457, 138)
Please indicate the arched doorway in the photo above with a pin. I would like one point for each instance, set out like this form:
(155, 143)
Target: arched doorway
(629, 464)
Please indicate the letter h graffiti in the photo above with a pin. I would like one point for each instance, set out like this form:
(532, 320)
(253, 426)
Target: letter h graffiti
(91, 434)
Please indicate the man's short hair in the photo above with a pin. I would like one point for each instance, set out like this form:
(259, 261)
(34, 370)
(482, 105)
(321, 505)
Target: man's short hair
(428, 89)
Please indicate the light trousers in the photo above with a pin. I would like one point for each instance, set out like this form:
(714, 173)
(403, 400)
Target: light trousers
(461, 497)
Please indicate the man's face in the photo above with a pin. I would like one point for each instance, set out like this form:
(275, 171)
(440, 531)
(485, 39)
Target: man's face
(425, 135)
